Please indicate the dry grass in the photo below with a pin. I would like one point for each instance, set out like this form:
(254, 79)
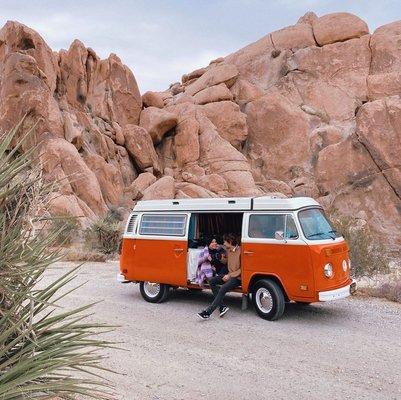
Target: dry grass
(82, 255)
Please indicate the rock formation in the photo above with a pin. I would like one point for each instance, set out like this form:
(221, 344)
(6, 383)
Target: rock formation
(311, 109)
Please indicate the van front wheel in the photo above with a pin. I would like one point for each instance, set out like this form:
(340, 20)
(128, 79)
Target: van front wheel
(154, 292)
(268, 299)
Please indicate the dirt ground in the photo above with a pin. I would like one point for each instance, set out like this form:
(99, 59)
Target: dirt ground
(349, 349)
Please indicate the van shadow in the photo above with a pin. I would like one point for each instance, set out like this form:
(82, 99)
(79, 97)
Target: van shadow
(293, 311)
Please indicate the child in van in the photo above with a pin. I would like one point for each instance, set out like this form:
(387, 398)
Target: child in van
(230, 280)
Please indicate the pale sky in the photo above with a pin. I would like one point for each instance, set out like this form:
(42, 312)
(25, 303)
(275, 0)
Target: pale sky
(161, 40)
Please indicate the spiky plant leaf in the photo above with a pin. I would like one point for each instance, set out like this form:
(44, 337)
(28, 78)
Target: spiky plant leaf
(45, 351)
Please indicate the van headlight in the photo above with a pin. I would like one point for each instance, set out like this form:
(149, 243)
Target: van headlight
(328, 270)
(345, 266)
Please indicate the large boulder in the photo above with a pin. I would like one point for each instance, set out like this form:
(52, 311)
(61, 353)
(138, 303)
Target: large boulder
(229, 121)
(278, 135)
(244, 91)
(222, 73)
(24, 92)
(152, 99)
(379, 129)
(109, 177)
(140, 147)
(161, 189)
(218, 156)
(16, 37)
(293, 37)
(192, 190)
(113, 92)
(212, 94)
(186, 141)
(157, 122)
(385, 77)
(62, 163)
(144, 180)
(343, 165)
(70, 206)
(343, 65)
(337, 27)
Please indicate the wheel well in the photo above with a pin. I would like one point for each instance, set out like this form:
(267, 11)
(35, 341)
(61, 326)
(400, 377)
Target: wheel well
(257, 277)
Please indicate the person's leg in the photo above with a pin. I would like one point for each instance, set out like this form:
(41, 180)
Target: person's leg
(214, 282)
(218, 300)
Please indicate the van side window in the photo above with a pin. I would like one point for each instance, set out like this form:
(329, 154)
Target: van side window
(264, 226)
(163, 224)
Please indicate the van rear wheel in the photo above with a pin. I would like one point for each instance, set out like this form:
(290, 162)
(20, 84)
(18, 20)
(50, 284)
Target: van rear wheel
(268, 299)
(154, 292)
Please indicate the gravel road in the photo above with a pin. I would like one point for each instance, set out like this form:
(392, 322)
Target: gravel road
(349, 349)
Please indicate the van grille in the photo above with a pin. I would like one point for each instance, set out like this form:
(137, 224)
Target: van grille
(131, 223)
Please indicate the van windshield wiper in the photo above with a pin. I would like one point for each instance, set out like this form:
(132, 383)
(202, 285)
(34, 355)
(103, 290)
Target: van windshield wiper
(316, 234)
(323, 233)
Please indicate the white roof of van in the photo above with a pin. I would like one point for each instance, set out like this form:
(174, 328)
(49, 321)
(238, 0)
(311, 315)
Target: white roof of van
(226, 204)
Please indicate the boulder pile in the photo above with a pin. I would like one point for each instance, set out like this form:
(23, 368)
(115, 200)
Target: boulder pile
(312, 109)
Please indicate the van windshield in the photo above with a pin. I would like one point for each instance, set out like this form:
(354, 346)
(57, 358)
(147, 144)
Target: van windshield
(315, 225)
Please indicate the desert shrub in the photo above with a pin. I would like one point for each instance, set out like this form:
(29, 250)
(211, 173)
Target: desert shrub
(104, 234)
(368, 256)
(67, 227)
(45, 351)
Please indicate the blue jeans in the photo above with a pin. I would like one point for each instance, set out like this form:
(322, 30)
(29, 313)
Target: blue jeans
(219, 293)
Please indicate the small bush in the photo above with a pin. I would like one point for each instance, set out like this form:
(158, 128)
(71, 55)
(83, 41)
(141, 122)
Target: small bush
(67, 229)
(104, 234)
(368, 256)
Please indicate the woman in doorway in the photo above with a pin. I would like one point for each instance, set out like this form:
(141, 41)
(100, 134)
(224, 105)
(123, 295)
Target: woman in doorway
(211, 260)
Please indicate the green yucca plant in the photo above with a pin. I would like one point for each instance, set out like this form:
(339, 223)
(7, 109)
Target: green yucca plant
(44, 351)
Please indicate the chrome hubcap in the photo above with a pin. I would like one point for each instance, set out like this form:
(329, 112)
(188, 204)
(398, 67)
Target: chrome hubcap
(264, 300)
(151, 289)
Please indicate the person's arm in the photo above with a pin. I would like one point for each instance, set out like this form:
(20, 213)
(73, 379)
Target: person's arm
(236, 273)
(203, 257)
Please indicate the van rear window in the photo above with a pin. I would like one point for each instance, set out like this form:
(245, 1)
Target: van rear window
(163, 225)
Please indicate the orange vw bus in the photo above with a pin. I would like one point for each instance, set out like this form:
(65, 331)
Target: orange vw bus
(289, 250)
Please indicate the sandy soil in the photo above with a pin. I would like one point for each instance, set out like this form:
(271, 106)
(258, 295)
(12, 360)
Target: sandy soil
(349, 349)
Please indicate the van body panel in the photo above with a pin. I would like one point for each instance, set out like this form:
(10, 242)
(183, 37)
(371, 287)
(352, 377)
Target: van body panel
(162, 261)
(335, 254)
(290, 263)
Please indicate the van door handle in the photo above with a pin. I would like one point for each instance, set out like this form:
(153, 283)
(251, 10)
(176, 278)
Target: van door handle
(248, 253)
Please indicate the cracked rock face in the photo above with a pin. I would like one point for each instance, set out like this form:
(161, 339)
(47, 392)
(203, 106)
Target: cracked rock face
(311, 109)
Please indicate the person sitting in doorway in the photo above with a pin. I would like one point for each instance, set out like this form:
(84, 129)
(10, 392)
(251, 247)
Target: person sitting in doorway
(218, 258)
(229, 281)
(210, 260)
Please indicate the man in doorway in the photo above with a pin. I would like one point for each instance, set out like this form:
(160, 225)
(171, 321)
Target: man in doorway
(229, 281)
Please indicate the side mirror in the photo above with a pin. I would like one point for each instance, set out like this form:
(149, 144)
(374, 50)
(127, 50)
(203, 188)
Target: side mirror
(279, 235)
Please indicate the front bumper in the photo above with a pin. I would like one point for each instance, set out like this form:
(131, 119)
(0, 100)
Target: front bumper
(121, 278)
(337, 294)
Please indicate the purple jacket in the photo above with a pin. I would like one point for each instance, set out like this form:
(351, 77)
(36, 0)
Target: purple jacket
(204, 270)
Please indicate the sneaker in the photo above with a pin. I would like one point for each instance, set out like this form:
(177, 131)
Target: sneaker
(223, 311)
(203, 315)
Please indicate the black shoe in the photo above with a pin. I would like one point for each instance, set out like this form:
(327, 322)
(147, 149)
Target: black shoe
(223, 311)
(203, 315)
